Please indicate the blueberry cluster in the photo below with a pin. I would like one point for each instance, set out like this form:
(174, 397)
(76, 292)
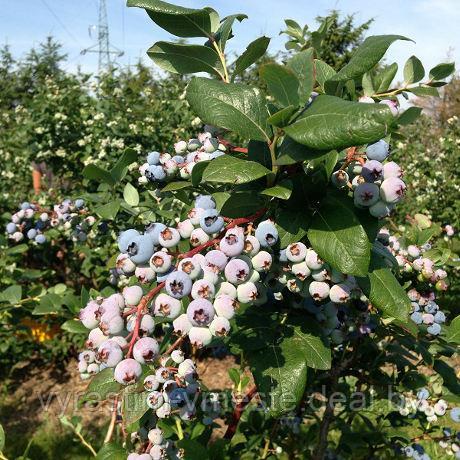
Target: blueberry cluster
(376, 185)
(211, 283)
(450, 442)
(415, 451)
(422, 404)
(32, 222)
(160, 167)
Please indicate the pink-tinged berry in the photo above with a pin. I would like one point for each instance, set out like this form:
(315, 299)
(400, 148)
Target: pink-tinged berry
(216, 260)
(203, 289)
(237, 271)
(232, 244)
(112, 325)
(178, 284)
(301, 270)
(226, 288)
(198, 237)
(219, 326)
(251, 245)
(88, 315)
(200, 312)
(247, 292)
(182, 325)
(167, 306)
(340, 293)
(262, 261)
(127, 371)
(225, 306)
(372, 171)
(145, 350)
(296, 252)
(147, 324)
(200, 336)
(392, 169)
(132, 295)
(313, 261)
(145, 274)
(109, 353)
(318, 290)
(160, 262)
(392, 190)
(95, 338)
(151, 383)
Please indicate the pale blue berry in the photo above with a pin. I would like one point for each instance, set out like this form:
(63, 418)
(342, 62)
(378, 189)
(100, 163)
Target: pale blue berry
(211, 222)
(125, 238)
(366, 194)
(153, 230)
(378, 151)
(372, 171)
(205, 202)
(266, 233)
(153, 158)
(200, 312)
(178, 285)
(11, 228)
(237, 271)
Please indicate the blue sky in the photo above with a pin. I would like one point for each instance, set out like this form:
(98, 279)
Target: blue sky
(433, 24)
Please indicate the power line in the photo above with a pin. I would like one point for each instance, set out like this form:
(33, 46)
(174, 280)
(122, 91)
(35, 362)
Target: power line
(70, 34)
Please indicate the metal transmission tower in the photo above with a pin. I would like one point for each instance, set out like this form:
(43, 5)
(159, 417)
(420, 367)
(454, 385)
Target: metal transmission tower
(103, 47)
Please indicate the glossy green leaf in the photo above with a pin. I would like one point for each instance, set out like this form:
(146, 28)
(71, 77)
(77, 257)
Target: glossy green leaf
(291, 152)
(12, 294)
(112, 451)
(50, 303)
(134, 405)
(367, 55)
(254, 51)
(120, 168)
(339, 238)
(74, 326)
(231, 170)
(424, 91)
(131, 195)
(384, 78)
(413, 70)
(452, 334)
(19, 249)
(302, 64)
(109, 210)
(234, 106)
(242, 204)
(323, 72)
(292, 226)
(442, 71)
(282, 190)
(185, 59)
(409, 115)
(180, 21)
(282, 117)
(282, 83)
(385, 292)
(332, 123)
(173, 186)
(98, 174)
(224, 33)
(102, 386)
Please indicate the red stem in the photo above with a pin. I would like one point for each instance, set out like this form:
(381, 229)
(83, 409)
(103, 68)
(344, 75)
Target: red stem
(238, 411)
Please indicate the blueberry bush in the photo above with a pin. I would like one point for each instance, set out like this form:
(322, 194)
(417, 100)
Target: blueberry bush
(270, 233)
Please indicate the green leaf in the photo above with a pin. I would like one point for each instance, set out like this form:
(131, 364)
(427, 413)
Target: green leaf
(409, 115)
(339, 238)
(424, 91)
(413, 70)
(111, 451)
(282, 83)
(12, 294)
(303, 66)
(109, 210)
(231, 170)
(333, 123)
(384, 78)
(197, 172)
(280, 373)
(49, 303)
(120, 168)
(442, 71)
(234, 106)
(385, 292)
(74, 326)
(282, 190)
(364, 58)
(94, 172)
(134, 405)
(368, 84)
(254, 51)
(179, 185)
(291, 152)
(282, 117)
(2, 438)
(180, 21)
(452, 334)
(193, 450)
(184, 59)
(242, 204)
(324, 72)
(292, 226)
(131, 195)
(224, 32)
(19, 249)
(102, 386)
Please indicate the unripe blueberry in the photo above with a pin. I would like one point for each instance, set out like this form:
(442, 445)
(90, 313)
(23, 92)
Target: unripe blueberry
(198, 237)
(167, 306)
(219, 326)
(378, 151)
(92, 368)
(162, 374)
(157, 452)
(318, 290)
(180, 147)
(226, 288)
(200, 312)
(232, 244)
(190, 267)
(155, 436)
(177, 356)
(340, 178)
(266, 233)
(372, 171)
(294, 285)
(144, 274)
(202, 289)
(109, 353)
(186, 171)
(151, 383)
(210, 145)
(17, 236)
(193, 144)
(380, 209)
(216, 260)
(155, 399)
(247, 292)
(82, 367)
(313, 261)
(182, 325)
(132, 295)
(301, 270)
(392, 105)
(366, 194)
(88, 356)
(434, 329)
(95, 338)
(200, 336)
(195, 215)
(111, 325)
(88, 315)
(392, 190)
(185, 228)
(127, 371)
(339, 293)
(296, 252)
(169, 237)
(262, 261)
(153, 230)
(178, 284)
(237, 271)
(251, 245)
(392, 169)
(147, 324)
(225, 306)
(145, 350)
(160, 262)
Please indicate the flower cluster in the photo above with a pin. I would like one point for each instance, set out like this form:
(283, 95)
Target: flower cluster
(32, 221)
(376, 185)
(162, 166)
